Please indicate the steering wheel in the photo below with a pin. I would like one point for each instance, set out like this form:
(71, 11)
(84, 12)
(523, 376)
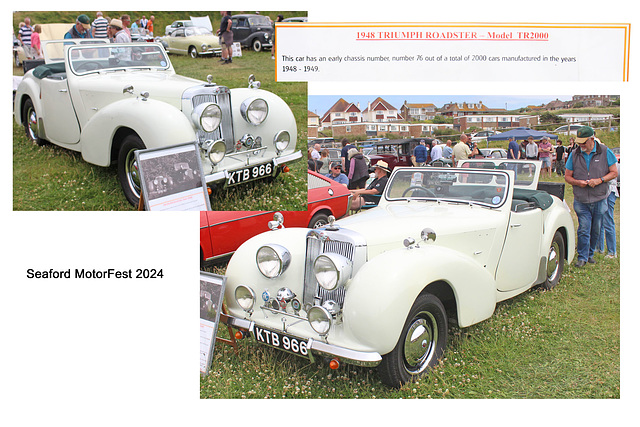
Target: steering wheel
(418, 189)
(89, 66)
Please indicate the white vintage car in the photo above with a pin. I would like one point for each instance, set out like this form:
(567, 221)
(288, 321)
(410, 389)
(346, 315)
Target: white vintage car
(380, 287)
(108, 100)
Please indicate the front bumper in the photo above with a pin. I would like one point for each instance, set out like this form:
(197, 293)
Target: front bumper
(319, 348)
(228, 175)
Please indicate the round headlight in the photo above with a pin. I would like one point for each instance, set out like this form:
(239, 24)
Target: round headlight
(211, 118)
(245, 297)
(272, 260)
(281, 140)
(216, 151)
(332, 270)
(319, 319)
(254, 110)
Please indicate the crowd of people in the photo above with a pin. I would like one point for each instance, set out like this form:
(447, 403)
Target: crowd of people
(353, 171)
(117, 30)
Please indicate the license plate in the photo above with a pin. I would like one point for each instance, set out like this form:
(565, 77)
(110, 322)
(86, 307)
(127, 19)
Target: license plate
(281, 341)
(250, 173)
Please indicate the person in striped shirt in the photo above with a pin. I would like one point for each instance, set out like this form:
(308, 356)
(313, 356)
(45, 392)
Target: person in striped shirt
(24, 34)
(99, 26)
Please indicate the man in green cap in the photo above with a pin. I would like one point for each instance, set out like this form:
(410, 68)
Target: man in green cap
(589, 168)
(81, 30)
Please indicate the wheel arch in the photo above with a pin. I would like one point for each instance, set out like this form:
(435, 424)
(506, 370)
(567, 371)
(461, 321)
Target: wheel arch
(117, 139)
(380, 296)
(442, 290)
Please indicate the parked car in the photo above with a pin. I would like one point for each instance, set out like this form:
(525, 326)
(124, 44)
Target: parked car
(493, 153)
(252, 31)
(378, 288)
(192, 41)
(140, 35)
(107, 101)
(177, 24)
(568, 129)
(295, 19)
(482, 135)
(398, 152)
(222, 232)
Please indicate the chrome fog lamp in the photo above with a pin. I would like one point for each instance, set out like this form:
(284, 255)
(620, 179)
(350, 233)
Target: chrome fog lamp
(282, 140)
(215, 151)
(273, 260)
(254, 110)
(332, 270)
(203, 47)
(245, 297)
(320, 319)
(207, 116)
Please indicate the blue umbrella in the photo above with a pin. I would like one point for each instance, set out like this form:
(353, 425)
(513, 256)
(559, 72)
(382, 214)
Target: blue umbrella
(520, 133)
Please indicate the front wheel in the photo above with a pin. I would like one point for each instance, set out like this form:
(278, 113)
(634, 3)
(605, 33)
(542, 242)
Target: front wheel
(193, 52)
(421, 344)
(555, 261)
(128, 172)
(256, 44)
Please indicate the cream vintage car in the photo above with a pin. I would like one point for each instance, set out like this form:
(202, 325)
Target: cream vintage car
(108, 100)
(192, 41)
(379, 288)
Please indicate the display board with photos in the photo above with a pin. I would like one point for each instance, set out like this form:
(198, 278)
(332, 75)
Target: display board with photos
(211, 296)
(172, 179)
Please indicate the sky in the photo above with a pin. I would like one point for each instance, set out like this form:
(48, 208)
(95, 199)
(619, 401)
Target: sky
(319, 104)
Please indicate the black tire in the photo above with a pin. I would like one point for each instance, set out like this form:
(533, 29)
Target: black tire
(319, 220)
(421, 343)
(193, 52)
(256, 45)
(128, 173)
(30, 122)
(555, 261)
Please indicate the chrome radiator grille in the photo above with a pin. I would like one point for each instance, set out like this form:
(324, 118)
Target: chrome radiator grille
(225, 130)
(313, 293)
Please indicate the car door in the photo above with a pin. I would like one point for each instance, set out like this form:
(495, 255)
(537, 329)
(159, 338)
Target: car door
(240, 28)
(520, 260)
(60, 121)
(176, 41)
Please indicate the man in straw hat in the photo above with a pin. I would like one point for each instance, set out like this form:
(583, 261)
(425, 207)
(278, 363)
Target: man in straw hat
(589, 168)
(374, 190)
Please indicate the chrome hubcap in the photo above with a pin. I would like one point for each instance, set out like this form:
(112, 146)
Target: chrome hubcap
(32, 119)
(420, 342)
(553, 262)
(132, 172)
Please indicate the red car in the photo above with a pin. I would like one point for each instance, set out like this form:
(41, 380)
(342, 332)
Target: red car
(221, 232)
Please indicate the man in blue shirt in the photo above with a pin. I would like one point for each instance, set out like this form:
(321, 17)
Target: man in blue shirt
(420, 154)
(337, 175)
(589, 168)
(513, 151)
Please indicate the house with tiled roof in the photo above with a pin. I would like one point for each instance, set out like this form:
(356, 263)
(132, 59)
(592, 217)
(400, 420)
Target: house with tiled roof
(417, 111)
(556, 105)
(341, 112)
(313, 123)
(455, 109)
(380, 111)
